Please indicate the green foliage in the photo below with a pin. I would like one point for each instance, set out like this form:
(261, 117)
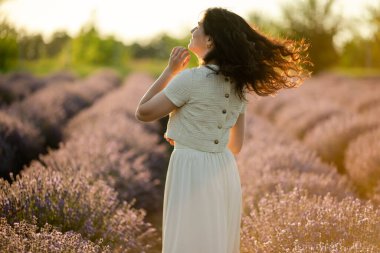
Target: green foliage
(266, 25)
(57, 43)
(315, 21)
(159, 48)
(89, 48)
(8, 47)
(32, 47)
(310, 19)
(375, 21)
(362, 52)
(375, 42)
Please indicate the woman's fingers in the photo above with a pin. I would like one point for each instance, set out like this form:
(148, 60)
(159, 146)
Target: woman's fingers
(175, 51)
(178, 53)
(187, 59)
(178, 58)
(178, 50)
(184, 53)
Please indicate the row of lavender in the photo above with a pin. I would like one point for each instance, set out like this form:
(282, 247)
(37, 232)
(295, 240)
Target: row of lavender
(338, 117)
(293, 200)
(32, 123)
(16, 86)
(96, 188)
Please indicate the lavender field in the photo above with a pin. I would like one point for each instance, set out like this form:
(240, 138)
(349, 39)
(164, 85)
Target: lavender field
(88, 177)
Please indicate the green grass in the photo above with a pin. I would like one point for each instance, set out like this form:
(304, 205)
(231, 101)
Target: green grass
(356, 72)
(47, 66)
(154, 67)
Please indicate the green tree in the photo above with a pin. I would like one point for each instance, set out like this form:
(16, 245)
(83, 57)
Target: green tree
(89, 48)
(364, 52)
(8, 46)
(57, 43)
(357, 52)
(374, 18)
(315, 21)
(266, 25)
(159, 47)
(32, 47)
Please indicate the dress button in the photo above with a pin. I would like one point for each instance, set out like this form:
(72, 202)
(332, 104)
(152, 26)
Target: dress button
(216, 141)
(227, 95)
(224, 111)
(226, 79)
(220, 126)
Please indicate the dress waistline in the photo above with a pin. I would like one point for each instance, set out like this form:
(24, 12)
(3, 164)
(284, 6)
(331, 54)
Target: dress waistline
(178, 145)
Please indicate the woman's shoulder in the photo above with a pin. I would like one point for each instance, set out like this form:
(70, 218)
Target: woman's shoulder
(191, 73)
(196, 76)
(202, 72)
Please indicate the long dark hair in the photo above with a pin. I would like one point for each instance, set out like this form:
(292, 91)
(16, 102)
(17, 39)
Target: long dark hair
(250, 59)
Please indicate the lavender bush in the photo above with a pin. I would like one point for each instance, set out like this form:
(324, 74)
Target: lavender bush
(375, 195)
(75, 202)
(269, 159)
(293, 200)
(364, 167)
(105, 166)
(20, 142)
(122, 102)
(302, 116)
(50, 108)
(126, 153)
(19, 85)
(123, 154)
(331, 138)
(28, 237)
(294, 221)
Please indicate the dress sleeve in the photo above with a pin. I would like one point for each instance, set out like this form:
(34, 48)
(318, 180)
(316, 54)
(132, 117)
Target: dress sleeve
(178, 89)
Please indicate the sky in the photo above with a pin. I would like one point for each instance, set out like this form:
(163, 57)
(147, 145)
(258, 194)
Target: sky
(139, 20)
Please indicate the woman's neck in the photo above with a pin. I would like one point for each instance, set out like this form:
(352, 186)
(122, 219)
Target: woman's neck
(209, 63)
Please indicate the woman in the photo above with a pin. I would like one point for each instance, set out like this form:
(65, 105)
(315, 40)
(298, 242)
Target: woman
(206, 107)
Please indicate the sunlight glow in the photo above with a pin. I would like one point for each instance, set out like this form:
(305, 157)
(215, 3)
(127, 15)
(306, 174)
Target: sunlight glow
(140, 20)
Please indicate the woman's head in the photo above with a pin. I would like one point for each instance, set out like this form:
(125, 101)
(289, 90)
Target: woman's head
(249, 58)
(200, 43)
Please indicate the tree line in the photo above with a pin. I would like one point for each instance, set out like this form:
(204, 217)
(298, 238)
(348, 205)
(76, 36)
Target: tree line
(312, 20)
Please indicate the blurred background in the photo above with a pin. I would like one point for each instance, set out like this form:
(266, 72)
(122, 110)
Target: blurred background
(44, 36)
(73, 155)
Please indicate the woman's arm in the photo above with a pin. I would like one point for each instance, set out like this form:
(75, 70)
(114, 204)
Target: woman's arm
(154, 104)
(236, 139)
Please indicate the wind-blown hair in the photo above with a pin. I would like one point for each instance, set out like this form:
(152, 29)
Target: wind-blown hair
(250, 59)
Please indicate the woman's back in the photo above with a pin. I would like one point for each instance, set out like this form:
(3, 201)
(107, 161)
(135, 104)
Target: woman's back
(208, 108)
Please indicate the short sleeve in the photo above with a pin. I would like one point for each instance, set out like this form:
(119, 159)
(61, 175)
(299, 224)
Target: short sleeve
(178, 89)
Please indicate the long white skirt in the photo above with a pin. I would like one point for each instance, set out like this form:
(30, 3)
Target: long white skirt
(202, 202)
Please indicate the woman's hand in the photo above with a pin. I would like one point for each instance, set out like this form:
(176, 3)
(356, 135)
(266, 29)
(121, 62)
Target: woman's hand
(179, 59)
(171, 141)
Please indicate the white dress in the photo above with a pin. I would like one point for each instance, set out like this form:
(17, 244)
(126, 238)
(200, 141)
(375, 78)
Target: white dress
(203, 196)
(202, 202)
